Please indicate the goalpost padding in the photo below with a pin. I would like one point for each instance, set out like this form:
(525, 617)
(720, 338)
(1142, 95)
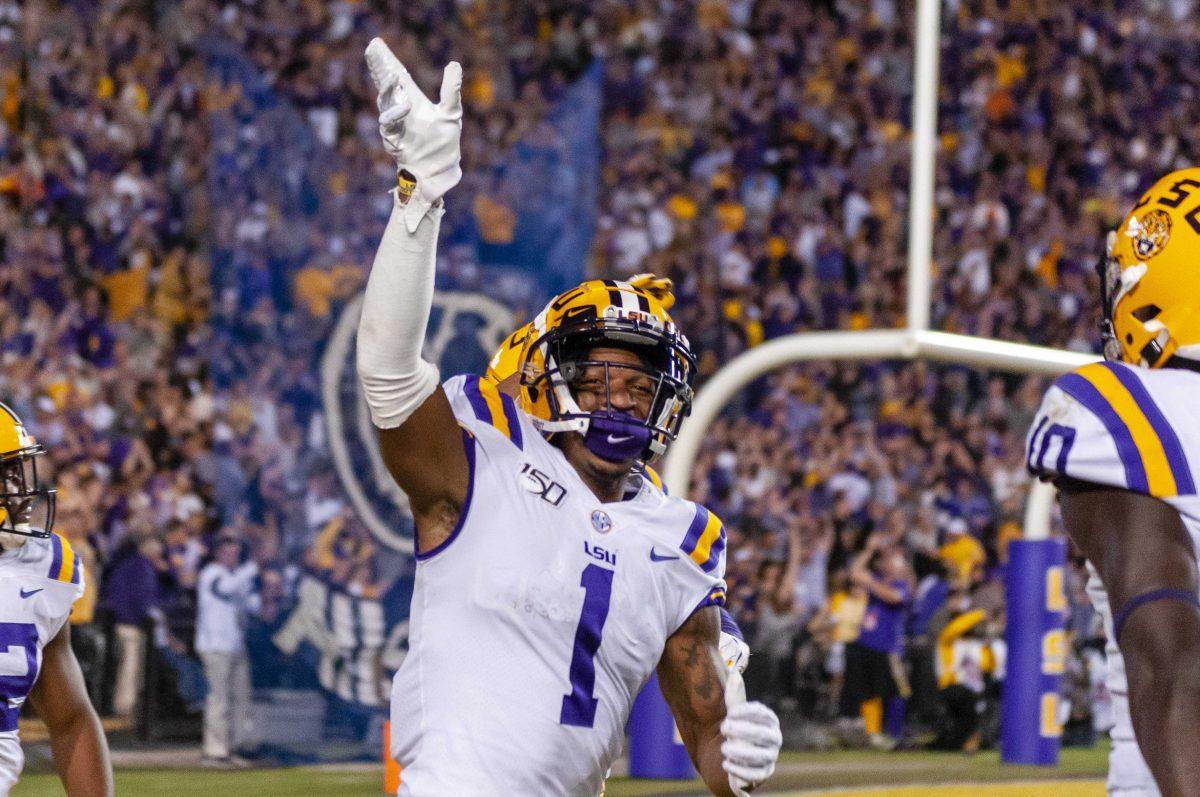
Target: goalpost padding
(1035, 593)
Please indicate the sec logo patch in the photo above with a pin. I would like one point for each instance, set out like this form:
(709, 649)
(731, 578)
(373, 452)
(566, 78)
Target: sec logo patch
(601, 522)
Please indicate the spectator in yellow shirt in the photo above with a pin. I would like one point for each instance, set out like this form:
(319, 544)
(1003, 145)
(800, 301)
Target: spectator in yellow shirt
(837, 624)
(962, 554)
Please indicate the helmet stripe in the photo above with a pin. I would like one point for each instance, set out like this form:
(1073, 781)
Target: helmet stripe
(614, 294)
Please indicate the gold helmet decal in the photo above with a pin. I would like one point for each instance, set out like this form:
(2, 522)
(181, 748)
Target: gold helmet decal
(1150, 233)
(1150, 276)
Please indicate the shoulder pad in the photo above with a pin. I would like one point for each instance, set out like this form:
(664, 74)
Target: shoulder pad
(1101, 424)
(478, 404)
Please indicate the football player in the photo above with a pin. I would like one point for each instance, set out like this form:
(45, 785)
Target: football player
(502, 372)
(40, 579)
(547, 590)
(1121, 439)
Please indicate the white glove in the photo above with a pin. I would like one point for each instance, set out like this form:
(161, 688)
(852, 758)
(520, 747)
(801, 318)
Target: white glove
(752, 738)
(734, 652)
(421, 137)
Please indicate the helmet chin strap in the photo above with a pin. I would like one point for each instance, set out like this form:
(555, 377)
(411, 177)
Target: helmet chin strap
(618, 438)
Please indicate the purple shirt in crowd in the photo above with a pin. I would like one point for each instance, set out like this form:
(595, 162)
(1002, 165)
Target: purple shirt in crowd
(883, 622)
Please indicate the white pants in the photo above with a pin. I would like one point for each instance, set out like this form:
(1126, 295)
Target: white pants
(12, 759)
(227, 707)
(1128, 774)
(131, 641)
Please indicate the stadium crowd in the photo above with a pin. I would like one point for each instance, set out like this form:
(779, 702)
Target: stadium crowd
(191, 191)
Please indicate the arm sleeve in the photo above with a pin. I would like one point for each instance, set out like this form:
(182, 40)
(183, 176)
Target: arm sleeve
(395, 311)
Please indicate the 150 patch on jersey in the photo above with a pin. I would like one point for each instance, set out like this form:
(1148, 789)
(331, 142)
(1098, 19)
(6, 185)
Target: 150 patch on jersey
(540, 484)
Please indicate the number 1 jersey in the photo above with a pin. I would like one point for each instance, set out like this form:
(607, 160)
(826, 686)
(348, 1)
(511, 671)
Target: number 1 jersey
(534, 626)
(39, 582)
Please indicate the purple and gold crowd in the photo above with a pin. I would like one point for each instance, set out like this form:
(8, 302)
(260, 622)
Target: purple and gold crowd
(190, 192)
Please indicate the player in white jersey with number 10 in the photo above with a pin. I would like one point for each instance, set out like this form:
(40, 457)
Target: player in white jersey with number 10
(40, 579)
(552, 578)
(1122, 441)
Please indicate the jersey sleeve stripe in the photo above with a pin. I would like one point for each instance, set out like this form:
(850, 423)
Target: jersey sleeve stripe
(715, 597)
(63, 566)
(513, 419)
(493, 408)
(712, 542)
(1180, 468)
(1159, 477)
(692, 538)
(67, 573)
(475, 397)
(56, 556)
(1086, 394)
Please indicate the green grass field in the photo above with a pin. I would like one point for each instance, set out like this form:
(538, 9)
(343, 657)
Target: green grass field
(1078, 775)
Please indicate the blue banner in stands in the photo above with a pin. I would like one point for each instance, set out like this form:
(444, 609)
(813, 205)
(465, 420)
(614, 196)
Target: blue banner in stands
(1030, 719)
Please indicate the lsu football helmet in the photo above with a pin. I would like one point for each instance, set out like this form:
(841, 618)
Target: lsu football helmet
(1150, 276)
(506, 362)
(551, 353)
(21, 489)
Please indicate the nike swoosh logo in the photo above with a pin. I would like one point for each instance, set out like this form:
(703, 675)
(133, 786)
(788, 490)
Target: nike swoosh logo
(613, 439)
(31, 593)
(655, 557)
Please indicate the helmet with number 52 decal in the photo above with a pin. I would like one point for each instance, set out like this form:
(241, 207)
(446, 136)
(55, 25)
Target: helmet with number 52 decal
(21, 490)
(610, 314)
(1150, 276)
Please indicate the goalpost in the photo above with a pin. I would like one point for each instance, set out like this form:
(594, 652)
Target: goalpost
(1035, 602)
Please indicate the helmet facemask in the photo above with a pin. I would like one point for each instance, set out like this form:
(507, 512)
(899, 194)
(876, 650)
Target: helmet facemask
(666, 361)
(20, 496)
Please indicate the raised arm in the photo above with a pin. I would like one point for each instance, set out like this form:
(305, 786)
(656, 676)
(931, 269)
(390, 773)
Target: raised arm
(734, 744)
(420, 440)
(76, 736)
(860, 573)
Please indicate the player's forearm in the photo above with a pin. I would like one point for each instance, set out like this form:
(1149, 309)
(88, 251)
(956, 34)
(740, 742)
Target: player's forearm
(81, 756)
(395, 311)
(707, 757)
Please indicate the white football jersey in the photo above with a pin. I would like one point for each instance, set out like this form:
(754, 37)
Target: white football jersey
(39, 582)
(534, 626)
(1136, 429)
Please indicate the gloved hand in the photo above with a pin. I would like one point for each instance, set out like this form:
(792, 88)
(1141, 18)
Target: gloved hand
(421, 137)
(752, 738)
